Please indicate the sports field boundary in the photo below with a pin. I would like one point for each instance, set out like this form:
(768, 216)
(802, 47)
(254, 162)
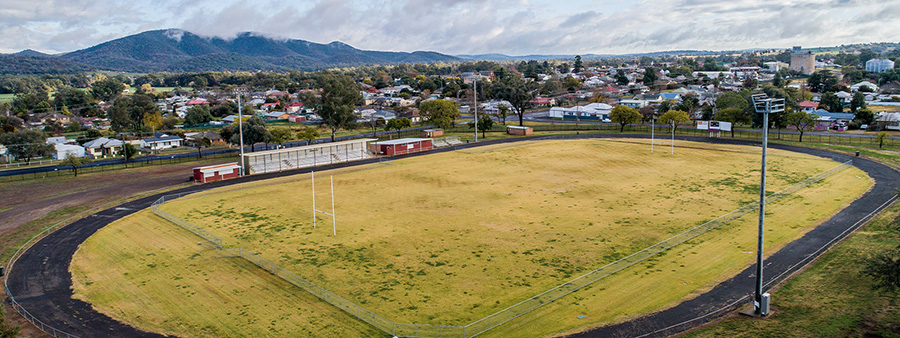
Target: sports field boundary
(46, 286)
(502, 316)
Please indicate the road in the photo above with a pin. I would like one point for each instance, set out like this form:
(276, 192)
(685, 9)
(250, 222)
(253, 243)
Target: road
(41, 282)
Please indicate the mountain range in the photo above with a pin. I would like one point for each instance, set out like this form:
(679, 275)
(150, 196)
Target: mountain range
(181, 51)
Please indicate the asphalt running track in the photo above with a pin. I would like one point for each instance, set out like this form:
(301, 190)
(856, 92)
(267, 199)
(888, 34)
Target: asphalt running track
(41, 283)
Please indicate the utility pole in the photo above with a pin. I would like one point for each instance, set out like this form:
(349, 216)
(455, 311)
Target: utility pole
(475, 101)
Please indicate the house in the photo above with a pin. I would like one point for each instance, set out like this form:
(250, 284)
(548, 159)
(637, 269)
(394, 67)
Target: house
(845, 97)
(213, 137)
(808, 106)
(53, 117)
(873, 87)
(275, 115)
(161, 141)
(887, 121)
(832, 121)
(593, 111)
(60, 140)
(197, 102)
(542, 101)
(636, 104)
(269, 106)
(103, 147)
(401, 146)
(63, 150)
(294, 107)
(670, 97)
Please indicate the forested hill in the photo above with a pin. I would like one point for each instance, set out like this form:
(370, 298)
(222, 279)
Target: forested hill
(177, 50)
(19, 64)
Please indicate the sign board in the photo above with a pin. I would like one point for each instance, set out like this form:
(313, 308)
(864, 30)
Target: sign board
(714, 126)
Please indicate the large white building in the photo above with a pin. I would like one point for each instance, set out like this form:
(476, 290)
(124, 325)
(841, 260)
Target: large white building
(879, 65)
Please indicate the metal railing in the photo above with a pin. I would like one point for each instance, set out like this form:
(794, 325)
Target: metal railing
(500, 317)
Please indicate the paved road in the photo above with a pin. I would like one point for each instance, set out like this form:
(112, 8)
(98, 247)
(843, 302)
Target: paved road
(41, 282)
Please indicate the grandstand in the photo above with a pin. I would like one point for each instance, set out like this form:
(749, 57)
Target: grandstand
(305, 156)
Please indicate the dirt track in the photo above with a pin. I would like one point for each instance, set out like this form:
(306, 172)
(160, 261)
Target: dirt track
(41, 282)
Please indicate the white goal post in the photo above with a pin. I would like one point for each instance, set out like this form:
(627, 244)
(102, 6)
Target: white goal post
(333, 218)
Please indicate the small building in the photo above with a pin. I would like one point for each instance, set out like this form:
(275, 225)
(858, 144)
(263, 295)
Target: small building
(217, 172)
(808, 106)
(519, 131)
(432, 133)
(103, 147)
(401, 146)
(63, 150)
(161, 141)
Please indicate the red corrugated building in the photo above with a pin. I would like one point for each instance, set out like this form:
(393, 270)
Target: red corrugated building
(401, 146)
(217, 172)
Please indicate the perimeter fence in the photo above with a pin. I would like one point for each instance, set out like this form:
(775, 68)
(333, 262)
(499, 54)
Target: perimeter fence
(500, 317)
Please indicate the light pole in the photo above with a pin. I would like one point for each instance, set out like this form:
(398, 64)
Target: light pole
(763, 105)
(239, 93)
(475, 101)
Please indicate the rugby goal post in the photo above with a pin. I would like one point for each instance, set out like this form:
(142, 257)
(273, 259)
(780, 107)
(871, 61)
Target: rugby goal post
(315, 210)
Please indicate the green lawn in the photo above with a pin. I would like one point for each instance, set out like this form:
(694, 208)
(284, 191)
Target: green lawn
(449, 238)
(832, 298)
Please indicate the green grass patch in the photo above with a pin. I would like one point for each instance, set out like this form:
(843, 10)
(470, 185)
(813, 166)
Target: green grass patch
(832, 298)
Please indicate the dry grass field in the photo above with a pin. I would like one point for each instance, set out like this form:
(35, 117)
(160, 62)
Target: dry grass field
(449, 238)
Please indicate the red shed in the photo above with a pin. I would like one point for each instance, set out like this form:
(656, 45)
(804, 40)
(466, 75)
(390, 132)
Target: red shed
(217, 172)
(401, 146)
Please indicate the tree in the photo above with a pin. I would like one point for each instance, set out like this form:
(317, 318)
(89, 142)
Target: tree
(485, 123)
(831, 103)
(440, 113)
(578, 67)
(197, 115)
(621, 79)
(502, 113)
(8, 331)
(857, 102)
(128, 151)
(153, 120)
(733, 115)
(514, 90)
(254, 132)
(732, 100)
(864, 116)
(880, 138)
(571, 83)
(778, 81)
(26, 144)
(308, 134)
(624, 115)
(675, 118)
(335, 105)
(107, 89)
(74, 162)
(885, 269)
(650, 76)
(281, 135)
(802, 121)
(199, 141)
(128, 112)
(398, 124)
(822, 81)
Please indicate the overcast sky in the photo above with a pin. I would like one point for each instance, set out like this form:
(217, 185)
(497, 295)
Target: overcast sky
(514, 27)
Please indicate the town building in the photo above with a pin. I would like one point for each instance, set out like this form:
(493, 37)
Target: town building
(879, 65)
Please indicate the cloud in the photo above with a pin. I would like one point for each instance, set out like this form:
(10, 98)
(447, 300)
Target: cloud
(515, 27)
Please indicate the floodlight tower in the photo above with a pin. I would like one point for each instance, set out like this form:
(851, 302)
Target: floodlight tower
(763, 105)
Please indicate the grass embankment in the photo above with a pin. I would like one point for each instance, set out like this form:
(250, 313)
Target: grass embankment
(832, 298)
(449, 238)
